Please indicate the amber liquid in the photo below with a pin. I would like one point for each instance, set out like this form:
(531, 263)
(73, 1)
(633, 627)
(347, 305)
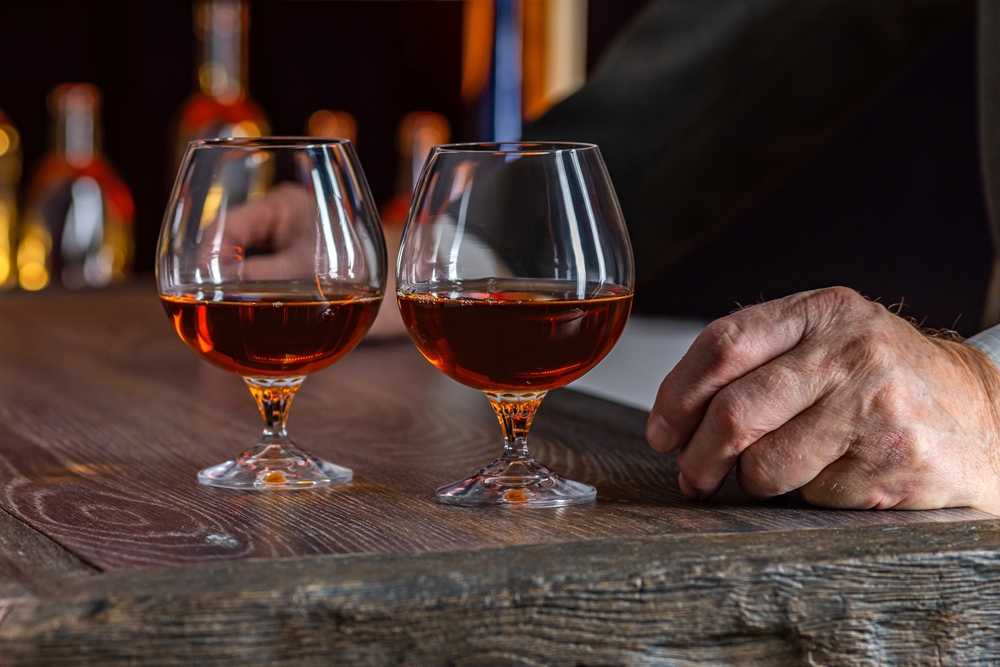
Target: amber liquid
(275, 334)
(514, 335)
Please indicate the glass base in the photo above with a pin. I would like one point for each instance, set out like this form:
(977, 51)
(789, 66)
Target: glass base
(275, 467)
(517, 481)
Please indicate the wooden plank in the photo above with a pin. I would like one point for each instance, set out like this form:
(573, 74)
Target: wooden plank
(870, 595)
(32, 564)
(105, 419)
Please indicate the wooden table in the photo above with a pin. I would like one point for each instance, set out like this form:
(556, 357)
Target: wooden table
(111, 553)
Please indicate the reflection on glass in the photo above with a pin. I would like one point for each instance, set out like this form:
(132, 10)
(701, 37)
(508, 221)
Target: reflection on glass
(79, 216)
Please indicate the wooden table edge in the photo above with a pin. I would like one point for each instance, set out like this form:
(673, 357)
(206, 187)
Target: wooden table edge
(764, 594)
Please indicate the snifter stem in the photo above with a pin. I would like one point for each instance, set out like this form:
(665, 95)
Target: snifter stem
(274, 398)
(515, 412)
(515, 478)
(275, 462)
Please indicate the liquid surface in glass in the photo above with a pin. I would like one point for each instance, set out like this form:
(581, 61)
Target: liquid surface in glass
(514, 335)
(265, 331)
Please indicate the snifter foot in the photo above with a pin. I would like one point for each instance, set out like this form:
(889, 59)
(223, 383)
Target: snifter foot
(515, 478)
(275, 464)
(517, 481)
(275, 467)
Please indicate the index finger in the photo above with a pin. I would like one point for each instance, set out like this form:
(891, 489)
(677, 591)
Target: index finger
(725, 351)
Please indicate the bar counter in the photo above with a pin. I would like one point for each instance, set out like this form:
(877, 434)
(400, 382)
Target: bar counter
(111, 553)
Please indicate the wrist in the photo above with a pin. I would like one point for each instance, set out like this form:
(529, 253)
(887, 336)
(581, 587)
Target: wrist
(984, 372)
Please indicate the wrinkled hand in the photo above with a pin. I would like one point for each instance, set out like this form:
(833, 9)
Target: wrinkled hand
(833, 395)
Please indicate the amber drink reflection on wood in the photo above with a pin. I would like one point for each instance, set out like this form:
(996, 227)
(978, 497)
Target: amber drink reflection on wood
(272, 266)
(515, 277)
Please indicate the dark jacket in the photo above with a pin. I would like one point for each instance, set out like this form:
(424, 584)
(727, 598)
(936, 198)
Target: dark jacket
(761, 147)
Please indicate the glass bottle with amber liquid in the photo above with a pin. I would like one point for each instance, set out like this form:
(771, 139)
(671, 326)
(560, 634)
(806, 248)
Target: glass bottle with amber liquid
(10, 178)
(221, 106)
(78, 226)
(333, 124)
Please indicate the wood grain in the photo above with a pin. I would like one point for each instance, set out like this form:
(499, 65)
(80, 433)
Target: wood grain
(868, 595)
(106, 417)
(32, 564)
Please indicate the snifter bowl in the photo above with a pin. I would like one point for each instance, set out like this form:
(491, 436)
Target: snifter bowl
(515, 277)
(271, 266)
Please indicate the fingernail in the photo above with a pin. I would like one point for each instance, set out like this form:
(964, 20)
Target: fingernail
(686, 488)
(659, 435)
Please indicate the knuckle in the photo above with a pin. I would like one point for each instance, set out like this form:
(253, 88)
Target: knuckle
(837, 299)
(728, 413)
(868, 356)
(726, 340)
(846, 296)
(784, 374)
(696, 473)
(856, 334)
(869, 350)
(881, 351)
(701, 480)
(757, 478)
(885, 404)
(840, 307)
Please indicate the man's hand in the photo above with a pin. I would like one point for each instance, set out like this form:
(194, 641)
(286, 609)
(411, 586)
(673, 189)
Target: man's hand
(832, 394)
(280, 228)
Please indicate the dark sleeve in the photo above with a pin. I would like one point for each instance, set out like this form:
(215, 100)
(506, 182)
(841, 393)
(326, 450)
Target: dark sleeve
(701, 108)
(989, 135)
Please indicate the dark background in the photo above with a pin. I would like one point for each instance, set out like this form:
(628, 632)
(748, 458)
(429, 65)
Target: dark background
(904, 169)
(377, 60)
(892, 206)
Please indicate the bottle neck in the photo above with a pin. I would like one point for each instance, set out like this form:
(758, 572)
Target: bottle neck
(222, 27)
(77, 124)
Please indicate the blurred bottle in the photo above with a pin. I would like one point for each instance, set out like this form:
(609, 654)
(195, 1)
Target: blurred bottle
(553, 53)
(10, 177)
(418, 132)
(519, 58)
(221, 107)
(491, 69)
(78, 216)
(331, 124)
